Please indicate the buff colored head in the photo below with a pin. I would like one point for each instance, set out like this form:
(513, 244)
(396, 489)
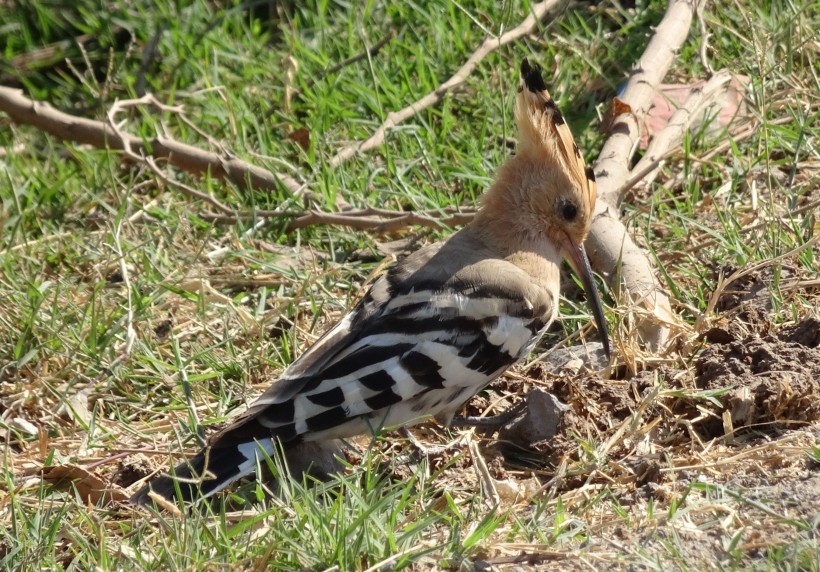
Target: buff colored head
(546, 192)
(567, 197)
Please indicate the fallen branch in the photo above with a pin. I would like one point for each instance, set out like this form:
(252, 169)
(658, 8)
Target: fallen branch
(25, 111)
(377, 220)
(612, 167)
(527, 26)
(192, 159)
(611, 249)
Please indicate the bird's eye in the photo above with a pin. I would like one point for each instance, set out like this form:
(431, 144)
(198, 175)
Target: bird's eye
(569, 211)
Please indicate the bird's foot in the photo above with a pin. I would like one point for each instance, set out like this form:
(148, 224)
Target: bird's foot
(490, 422)
(426, 450)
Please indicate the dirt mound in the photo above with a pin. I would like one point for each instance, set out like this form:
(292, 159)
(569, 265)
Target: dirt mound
(741, 384)
(771, 380)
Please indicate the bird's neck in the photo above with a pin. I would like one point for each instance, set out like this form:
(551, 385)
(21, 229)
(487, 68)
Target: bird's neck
(505, 218)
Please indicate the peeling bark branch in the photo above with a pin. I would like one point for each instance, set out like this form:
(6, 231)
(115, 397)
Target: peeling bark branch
(527, 26)
(612, 167)
(611, 249)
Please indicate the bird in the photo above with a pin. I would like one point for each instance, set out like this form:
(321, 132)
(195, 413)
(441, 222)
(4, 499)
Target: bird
(437, 327)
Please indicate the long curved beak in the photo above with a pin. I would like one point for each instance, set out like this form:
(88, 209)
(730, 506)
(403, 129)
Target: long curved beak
(577, 257)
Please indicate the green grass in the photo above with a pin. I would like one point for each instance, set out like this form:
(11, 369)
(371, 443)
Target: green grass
(70, 395)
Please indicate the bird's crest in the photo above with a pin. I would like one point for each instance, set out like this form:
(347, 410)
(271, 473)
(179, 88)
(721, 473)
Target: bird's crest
(545, 134)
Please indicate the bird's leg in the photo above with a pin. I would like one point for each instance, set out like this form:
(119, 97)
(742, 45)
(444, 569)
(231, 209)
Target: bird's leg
(492, 421)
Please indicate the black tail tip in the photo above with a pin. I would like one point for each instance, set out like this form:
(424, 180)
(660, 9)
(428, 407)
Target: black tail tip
(531, 75)
(164, 487)
(207, 472)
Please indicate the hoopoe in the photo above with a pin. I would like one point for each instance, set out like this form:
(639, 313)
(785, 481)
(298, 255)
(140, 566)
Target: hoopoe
(440, 325)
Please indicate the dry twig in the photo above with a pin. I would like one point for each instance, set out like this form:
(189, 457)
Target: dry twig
(377, 220)
(527, 26)
(192, 159)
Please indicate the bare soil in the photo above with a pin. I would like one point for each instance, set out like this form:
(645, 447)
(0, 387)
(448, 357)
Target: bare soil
(733, 423)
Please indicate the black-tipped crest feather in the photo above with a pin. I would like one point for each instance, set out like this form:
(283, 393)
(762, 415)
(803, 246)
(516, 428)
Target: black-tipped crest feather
(539, 103)
(531, 74)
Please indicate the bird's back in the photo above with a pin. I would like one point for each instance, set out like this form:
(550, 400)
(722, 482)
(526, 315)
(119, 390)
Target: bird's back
(425, 338)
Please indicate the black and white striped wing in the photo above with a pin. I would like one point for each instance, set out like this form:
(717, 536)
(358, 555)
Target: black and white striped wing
(422, 352)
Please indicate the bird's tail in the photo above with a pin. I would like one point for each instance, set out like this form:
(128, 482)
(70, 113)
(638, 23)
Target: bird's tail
(211, 470)
(214, 468)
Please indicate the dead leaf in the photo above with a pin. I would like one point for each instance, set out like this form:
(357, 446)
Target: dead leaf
(301, 137)
(617, 108)
(670, 96)
(91, 487)
(77, 407)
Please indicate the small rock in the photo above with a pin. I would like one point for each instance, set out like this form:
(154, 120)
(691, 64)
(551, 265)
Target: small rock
(590, 355)
(540, 419)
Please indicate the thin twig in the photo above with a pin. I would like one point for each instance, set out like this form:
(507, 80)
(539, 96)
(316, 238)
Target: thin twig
(379, 223)
(49, 238)
(637, 175)
(527, 26)
(369, 52)
(704, 36)
(47, 54)
(366, 219)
